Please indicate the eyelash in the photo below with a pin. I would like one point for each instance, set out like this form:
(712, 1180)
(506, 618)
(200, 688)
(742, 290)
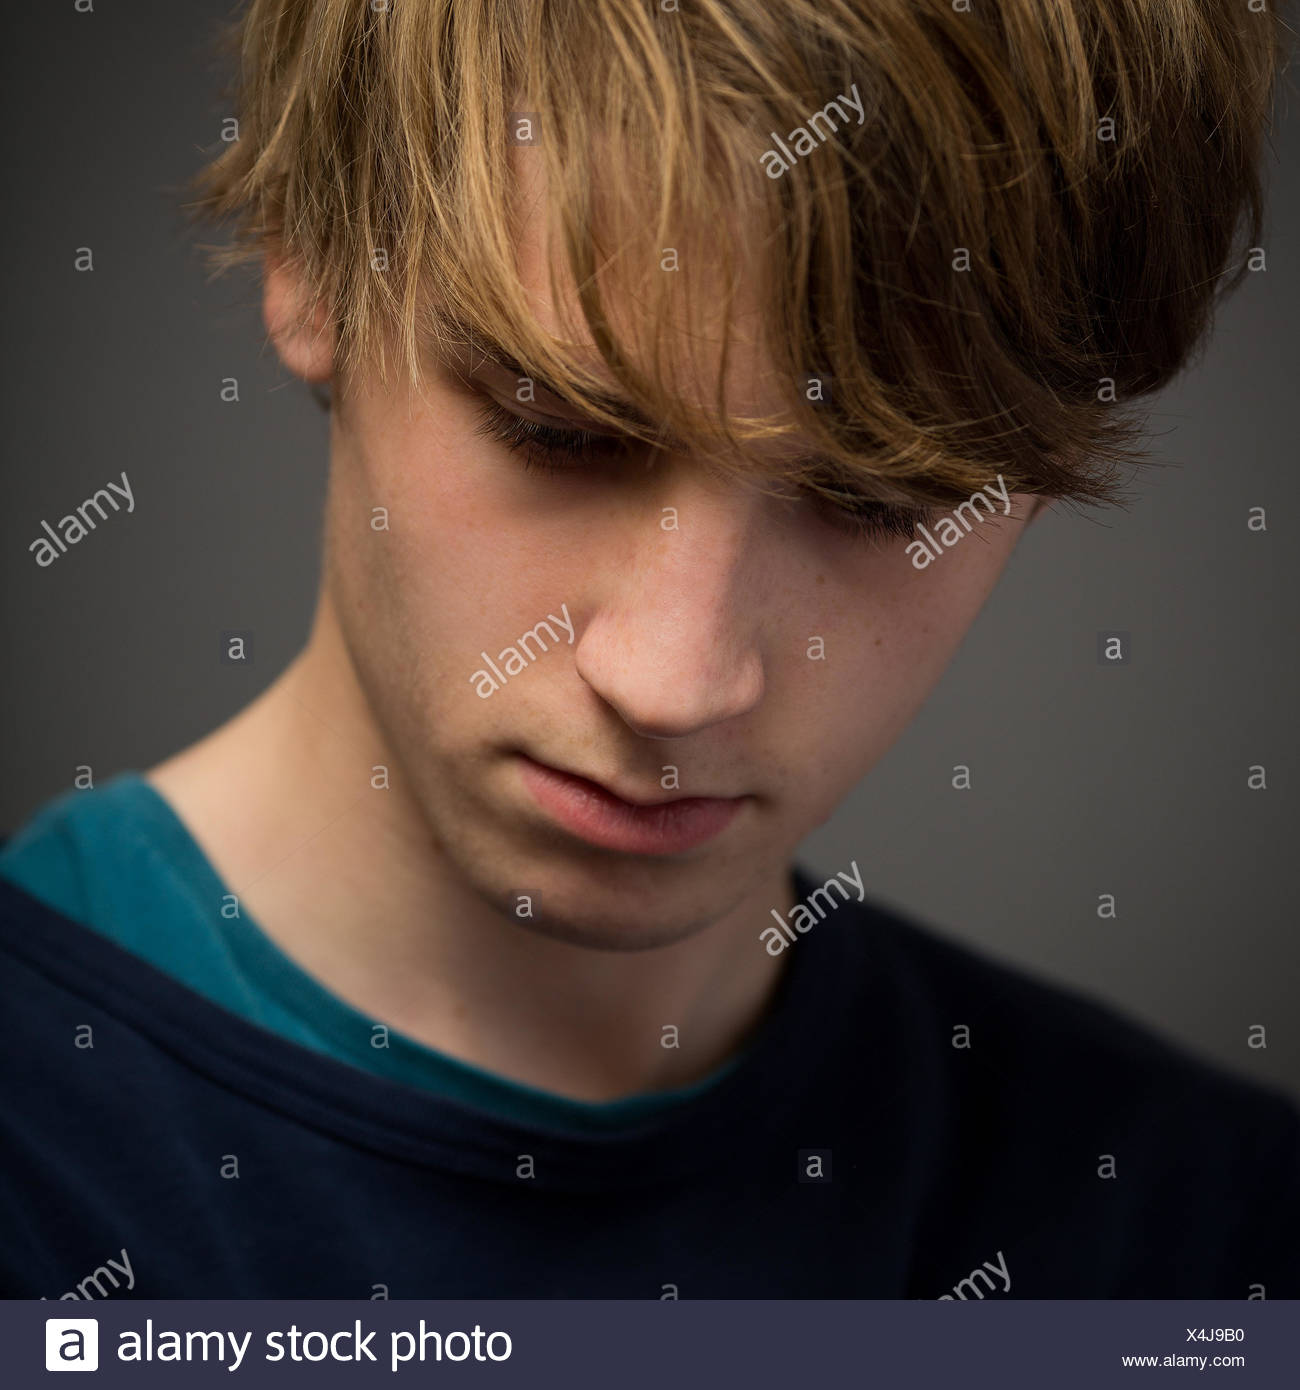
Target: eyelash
(542, 446)
(551, 450)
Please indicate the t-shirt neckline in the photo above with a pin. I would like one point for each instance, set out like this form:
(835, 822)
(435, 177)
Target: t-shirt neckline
(796, 1042)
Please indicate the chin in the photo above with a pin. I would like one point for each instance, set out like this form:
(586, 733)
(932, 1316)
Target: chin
(582, 907)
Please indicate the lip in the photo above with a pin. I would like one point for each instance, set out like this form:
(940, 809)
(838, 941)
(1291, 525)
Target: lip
(595, 814)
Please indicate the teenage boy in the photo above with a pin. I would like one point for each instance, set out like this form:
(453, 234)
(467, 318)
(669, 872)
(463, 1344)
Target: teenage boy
(675, 358)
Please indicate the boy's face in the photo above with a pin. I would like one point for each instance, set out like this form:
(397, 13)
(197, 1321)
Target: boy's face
(726, 643)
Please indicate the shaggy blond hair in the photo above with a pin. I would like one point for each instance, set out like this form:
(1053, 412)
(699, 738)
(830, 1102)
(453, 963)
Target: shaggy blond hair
(1042, 198)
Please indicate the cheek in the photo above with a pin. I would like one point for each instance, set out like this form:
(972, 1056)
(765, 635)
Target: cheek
(440, 550)
(926, 613)
(902, 627)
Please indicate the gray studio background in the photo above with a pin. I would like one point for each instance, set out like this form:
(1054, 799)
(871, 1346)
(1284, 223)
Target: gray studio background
(1130, 781)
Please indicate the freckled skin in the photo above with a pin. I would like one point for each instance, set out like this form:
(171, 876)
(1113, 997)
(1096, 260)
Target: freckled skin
(696, 649)
(691, 650)
(691, 644)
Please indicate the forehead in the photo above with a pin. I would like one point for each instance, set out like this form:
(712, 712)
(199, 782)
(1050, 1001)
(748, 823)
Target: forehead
(751, 386)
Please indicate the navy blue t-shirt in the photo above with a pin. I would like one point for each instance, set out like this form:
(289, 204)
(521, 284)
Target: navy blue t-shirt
(854, 1151)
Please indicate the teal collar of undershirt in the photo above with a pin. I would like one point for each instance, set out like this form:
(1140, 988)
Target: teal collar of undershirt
(120, 860)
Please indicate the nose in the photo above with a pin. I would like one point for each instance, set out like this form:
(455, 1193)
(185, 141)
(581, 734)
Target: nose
(674, 644)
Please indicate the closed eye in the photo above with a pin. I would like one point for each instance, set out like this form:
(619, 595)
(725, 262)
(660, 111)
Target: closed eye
(549, 448)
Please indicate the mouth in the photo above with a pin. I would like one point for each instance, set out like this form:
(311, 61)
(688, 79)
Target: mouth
(600, 817)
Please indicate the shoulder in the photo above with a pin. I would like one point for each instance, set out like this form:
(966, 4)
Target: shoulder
(1057, 1101)
(1036, 1033)
(79, 844)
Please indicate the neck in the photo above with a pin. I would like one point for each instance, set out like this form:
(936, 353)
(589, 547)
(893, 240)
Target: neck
(347, 877)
